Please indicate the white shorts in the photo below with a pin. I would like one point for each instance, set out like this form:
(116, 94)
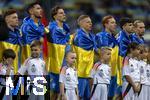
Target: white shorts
(148, 92)
(71, 94)
(127, 95)
(143, 93)
(100, 92)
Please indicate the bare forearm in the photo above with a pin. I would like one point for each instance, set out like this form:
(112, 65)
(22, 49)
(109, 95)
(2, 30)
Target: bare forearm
(128, 78)
(62, 86)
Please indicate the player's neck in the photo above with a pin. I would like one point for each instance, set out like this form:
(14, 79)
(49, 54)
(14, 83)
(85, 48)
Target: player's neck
(60, 24)
(11, 28)
(70, 65)
(139, 36)
(108, 31)
(86, 31)
(127, 33)
(35, 19)
(104, 61)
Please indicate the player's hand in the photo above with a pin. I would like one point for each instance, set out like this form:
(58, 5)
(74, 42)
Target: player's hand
(136, 89)
(138, 86)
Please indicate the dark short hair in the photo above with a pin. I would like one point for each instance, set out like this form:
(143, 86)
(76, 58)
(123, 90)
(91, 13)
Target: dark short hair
(54, 11)
(105, 19)
(4, 34)
(81, 17)
(9, 12)
(35, 43)
(132, 46)
(30, 6)
(8, 53)
(125, 20)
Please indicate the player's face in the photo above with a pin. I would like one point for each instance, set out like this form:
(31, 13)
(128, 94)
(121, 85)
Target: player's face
(86, 24)
(35, 51)
(107, 55)
(136, 52)
(140, 28)
(37, 11)
(145, 54)
(12, 20)
(129, 27)
(148, 57)
(9, 61)
(111, 25)
(71, 58)
(60, 16)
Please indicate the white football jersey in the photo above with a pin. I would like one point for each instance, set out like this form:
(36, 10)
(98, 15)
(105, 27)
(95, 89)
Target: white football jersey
(3, 72)
(33, 66)
(70, 78)
(132, 70)
(143, 77)
(102, 74)
(147, 74)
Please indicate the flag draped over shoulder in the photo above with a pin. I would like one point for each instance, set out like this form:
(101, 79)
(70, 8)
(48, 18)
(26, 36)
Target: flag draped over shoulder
(13, 42)
(106, 39)
(84, 45)
(123, 41)
(135, 38)
(30, 32)
(58, 38)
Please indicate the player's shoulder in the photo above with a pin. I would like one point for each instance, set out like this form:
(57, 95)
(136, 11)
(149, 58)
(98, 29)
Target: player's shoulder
(63, 69)
(41, 60)
(27, 61)
(96, 65)
(126, 61)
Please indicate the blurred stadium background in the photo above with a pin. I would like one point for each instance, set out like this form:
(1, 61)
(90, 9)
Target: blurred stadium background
(96, 9)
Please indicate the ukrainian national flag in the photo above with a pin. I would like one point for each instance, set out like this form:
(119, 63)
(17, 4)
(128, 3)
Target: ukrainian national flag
(58, 38)
(13, 42)
(123, 41)
(106, 39)
(30, 32)
(135, 38)
(84, 45)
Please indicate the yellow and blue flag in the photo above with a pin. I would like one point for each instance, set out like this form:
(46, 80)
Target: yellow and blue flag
(123, 41)
(13, 42)
(30, 32)
(135, 38)
(58, 38)
(84, 45)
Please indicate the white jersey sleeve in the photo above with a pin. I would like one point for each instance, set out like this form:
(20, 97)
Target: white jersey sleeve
(62, 76)
(93, 72)
(24, 67)
(94, 69)
(125, 71)
(2, 72)
(44, 68)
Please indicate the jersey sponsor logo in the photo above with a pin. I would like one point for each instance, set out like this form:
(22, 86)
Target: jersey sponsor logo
(68, 78)
(101, 74)
(33, 69)
(148, 73)
(132, 69)
(142, 70)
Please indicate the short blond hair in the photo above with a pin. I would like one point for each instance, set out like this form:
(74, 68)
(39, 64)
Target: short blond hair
(81, 17)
